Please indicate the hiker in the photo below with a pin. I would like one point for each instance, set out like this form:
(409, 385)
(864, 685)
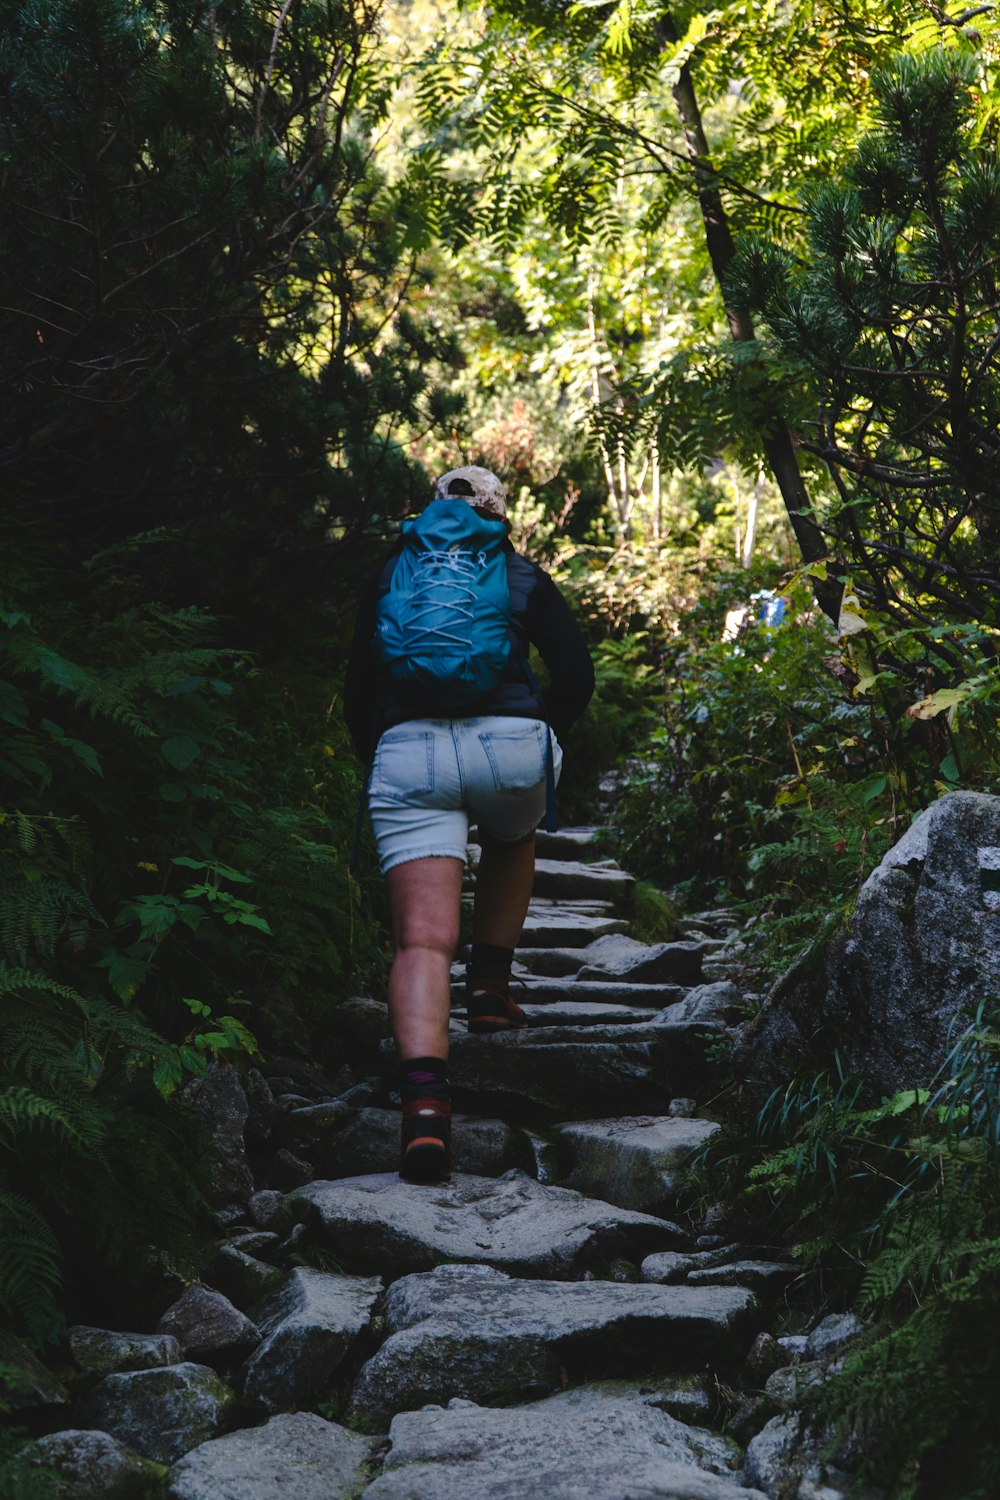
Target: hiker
(442, 702)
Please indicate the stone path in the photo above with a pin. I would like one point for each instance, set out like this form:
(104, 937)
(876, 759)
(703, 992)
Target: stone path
(540, 1326)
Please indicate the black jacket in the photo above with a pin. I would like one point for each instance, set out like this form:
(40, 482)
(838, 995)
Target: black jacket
(540, 617)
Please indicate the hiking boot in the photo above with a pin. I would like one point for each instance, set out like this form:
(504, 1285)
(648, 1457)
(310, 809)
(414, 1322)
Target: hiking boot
(425, 1142)
(491, 1008)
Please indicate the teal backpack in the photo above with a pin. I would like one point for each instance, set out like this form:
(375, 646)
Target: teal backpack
(442, 632)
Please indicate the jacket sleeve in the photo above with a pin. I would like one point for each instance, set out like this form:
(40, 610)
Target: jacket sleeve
(553, 630)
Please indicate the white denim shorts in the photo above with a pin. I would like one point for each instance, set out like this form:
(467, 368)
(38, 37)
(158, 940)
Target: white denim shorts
(430, 777)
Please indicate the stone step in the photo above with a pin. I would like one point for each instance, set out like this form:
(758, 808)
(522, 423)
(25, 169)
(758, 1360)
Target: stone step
(557, 1073)
(637, 1162)
(605, 990)
(583, 1013)
(568, 880)
(476, 1334)
(299, 1455)
(563, 927)
(391, 1228)
(569, 843)
(539, 990)
(559, 1448)
(551, 1073)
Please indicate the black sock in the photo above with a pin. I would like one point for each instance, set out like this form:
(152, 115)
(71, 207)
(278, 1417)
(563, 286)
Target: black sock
(423, 1078)
(490, 961)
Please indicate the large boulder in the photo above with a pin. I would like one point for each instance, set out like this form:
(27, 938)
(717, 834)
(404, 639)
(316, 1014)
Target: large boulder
(512, 1222)
(479, 1334)
(560, 1072)
(300, 1455)
(220, 1104)
(102, 1351)
(663, 963)
(568, 880)
(605, 1442)
(310, 1325)
(163, 1413)
(94, 1466)
(636, 1161)
(208, 1328)
(921, 949)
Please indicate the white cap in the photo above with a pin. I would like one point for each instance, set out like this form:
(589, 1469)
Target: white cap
(487, 492)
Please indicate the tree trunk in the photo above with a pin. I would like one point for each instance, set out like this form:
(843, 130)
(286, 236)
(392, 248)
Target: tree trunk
(778, 446)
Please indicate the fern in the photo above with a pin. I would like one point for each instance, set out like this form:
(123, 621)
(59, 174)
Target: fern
(30, 1274)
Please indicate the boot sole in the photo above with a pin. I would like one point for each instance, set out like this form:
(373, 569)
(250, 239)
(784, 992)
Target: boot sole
(425, 1161)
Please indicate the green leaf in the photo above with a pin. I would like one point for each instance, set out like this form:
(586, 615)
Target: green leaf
(13, 706)
(179, 751)
(86, 754)
(125, 973)
(172, 791)
(248, 919)
(939, 702)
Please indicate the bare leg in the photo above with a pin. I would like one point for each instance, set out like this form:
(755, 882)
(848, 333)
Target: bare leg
(503, 889)
(424, 895)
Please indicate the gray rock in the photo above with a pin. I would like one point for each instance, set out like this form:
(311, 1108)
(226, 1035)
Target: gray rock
(310, 1324)
(556, 1071)
(770, 1460)
(660, 963)
(766, 1355)
(312, 1130)
(25, 1383)
(582, 1012)
(602, 1443)
(242, 1277)
(100, 1351)
(615, 953)
(830, 1335)
(260, 1109)
(269, 1210)
(765, 1277)
(636, 1162)
(209, 1328)
(299, 1455)
(162, 1414)
(706, 1005)
(568, 843)
(599, 988)
(562, 927)
(257, 1242)
(922, 945)
(668, 1267)
(220, 1104)
(94, 1466)
(568, 880)
(794, 1345)
(500, 1339)
(681, 1108)
(512, 1222)
(551, 963)
(789, 1387)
